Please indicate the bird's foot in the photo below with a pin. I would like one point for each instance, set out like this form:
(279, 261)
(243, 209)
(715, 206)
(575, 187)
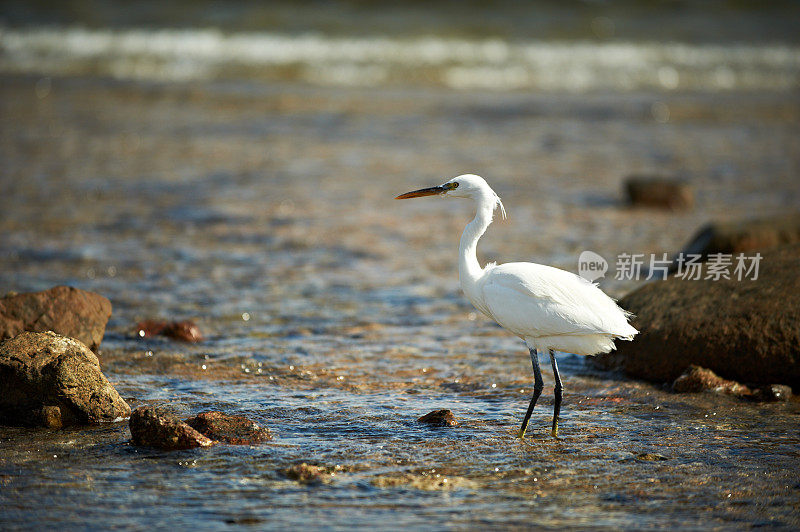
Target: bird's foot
(521, 434)
(554, 432)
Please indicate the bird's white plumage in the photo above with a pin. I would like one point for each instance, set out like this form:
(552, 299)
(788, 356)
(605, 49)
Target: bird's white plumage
(547, 307)
(551, 308)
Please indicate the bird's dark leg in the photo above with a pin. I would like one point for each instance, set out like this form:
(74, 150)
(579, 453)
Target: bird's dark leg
(537, 391)
(558, 389)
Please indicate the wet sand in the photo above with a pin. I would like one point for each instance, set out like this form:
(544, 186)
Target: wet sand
(333, 313)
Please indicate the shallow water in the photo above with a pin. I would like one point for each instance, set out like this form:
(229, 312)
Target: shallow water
(333, 314)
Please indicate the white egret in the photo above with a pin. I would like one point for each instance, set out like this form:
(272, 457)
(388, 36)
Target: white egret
(550, 309)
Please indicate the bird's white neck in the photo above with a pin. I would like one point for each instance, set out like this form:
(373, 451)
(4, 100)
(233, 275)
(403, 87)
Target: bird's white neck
(469, 271)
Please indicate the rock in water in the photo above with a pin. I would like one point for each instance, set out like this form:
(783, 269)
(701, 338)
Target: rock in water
(49, 379)
(661, 192)
(306, 474)
(747, 331)
(746, 235)
(773, 393)
(236, 430)
(153, 427)
(441, 418)
(696, 379)
(65, 310)
(185, 331)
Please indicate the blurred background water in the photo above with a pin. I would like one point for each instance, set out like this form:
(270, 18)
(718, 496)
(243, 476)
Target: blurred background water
(235, 163)
(500, 45)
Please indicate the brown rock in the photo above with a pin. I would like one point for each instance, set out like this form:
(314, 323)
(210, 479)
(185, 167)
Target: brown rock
(665, 193)
(746, 235)
(185, 331)
(773, 393)
(153, 427)
(651, 457)
(51, 417)
(236, 430)
(65, 310)
(49, 379)
(696, 379)
(441, 418)
(748, 331)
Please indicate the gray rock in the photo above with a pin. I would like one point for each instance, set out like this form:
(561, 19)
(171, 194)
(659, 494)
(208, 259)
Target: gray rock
(51, 380)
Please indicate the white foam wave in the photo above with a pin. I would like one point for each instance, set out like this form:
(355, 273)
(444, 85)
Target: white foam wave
(458, 63)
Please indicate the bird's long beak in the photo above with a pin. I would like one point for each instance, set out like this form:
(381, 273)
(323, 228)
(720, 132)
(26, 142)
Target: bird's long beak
(431, 191)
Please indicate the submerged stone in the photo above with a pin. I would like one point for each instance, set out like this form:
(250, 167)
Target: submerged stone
(306, 474)
(651, 457)
(426, 481)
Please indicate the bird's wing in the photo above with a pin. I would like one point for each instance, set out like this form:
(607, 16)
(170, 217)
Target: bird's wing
(536, 300)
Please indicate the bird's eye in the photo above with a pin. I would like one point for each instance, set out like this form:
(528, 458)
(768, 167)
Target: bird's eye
(451, 186)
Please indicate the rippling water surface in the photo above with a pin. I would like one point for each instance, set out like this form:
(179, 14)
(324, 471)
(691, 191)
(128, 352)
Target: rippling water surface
(333, 315)
(458, 63)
